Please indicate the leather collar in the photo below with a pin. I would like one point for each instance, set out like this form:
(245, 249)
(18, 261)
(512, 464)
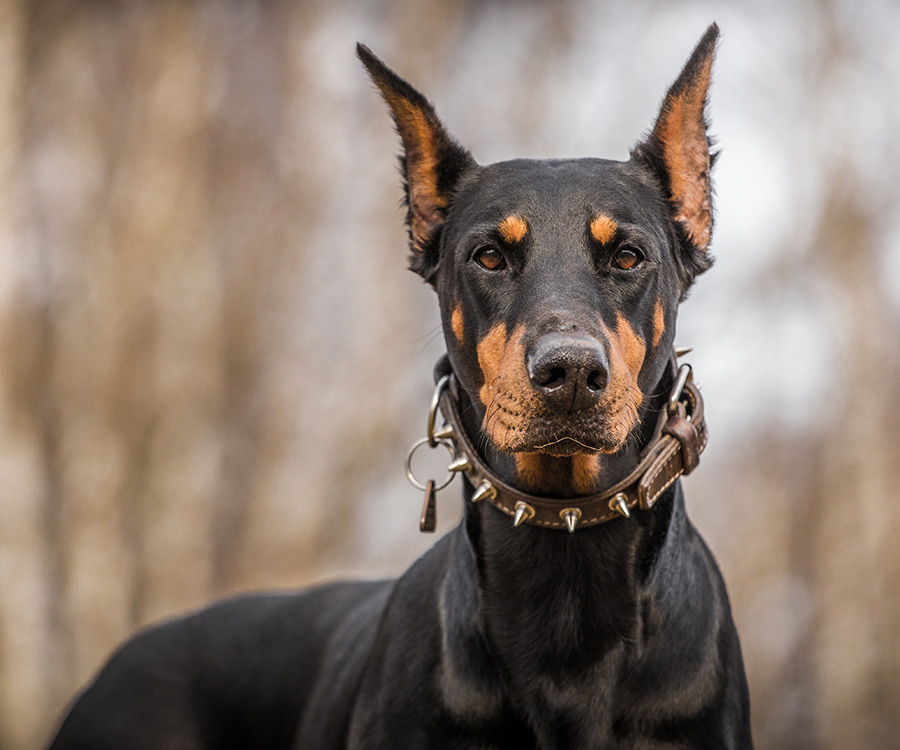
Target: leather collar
(680, 436)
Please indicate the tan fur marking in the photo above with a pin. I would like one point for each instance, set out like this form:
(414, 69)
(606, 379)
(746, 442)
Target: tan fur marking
(686, 152)
(513, 229)
(490, 358)
(456, 323)
(603, 229)
(585, 473)
(420, 141)
(624, 397)
(539, 472)
(507, 394)
(631, 346)
(659, 323)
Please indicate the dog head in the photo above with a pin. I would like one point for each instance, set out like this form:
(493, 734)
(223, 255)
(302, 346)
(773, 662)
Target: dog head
(559, 280)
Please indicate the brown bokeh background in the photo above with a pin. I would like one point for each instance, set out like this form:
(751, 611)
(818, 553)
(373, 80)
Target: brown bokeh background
(213, 360)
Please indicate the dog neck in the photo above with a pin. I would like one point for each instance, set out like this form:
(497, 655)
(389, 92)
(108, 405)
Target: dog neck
(551, 604)
(550, 608)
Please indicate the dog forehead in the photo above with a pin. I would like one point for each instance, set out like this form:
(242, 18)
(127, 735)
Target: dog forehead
(558, 191)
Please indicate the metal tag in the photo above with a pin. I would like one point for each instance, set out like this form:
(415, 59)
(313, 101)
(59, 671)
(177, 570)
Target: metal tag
(428, 519)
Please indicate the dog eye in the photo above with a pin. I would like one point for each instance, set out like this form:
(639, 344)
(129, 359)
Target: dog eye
(490, 258)
(627, 258)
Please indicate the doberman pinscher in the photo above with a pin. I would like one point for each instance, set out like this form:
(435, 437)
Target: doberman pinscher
(574, 606)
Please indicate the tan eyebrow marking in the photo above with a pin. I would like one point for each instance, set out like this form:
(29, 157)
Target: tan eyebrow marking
(513, 229)
(603, 228)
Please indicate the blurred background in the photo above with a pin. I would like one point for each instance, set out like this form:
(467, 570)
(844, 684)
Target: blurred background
(213, 358)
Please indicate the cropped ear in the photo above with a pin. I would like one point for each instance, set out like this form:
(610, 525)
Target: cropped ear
(678, 150)
(431, 162)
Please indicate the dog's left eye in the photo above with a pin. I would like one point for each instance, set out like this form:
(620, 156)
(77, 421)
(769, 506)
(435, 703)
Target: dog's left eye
(490, 258)
(627, 258)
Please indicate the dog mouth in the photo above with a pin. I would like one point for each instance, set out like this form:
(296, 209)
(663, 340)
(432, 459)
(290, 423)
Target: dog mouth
(603, 439)
(566, 446)
(588, 434)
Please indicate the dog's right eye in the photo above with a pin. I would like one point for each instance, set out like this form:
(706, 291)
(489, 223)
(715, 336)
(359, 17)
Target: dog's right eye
(490, 258)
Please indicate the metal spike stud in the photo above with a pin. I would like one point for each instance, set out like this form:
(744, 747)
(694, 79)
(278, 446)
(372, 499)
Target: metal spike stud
(485, 491)
(445, 432)
(680, 351)
(523, 512)
(460, 464)
(571, 516)
(620, 504)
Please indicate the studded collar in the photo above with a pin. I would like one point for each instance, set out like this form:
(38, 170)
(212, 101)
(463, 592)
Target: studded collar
(680, 436)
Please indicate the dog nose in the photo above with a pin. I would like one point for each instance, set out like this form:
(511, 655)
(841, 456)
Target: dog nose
(571, 371)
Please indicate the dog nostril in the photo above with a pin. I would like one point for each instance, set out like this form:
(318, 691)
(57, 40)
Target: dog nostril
(555, 378)
(596, 380)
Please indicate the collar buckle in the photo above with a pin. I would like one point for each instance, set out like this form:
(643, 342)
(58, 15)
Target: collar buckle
(684, 374)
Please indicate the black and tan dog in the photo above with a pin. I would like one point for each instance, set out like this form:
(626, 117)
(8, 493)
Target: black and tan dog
(574, 606)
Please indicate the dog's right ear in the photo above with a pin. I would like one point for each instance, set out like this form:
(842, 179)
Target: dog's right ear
(431, 163)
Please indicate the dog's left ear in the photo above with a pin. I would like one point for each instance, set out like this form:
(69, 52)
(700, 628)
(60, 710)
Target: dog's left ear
(432, 162)
(678, 150)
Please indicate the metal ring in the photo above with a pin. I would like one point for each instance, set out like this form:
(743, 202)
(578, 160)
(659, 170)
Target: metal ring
(433, 410)
(409, 472)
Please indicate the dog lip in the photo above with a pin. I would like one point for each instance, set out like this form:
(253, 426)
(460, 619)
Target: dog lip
(566, 446)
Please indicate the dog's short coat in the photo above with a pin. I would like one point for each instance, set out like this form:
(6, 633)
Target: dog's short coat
(558, 283)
